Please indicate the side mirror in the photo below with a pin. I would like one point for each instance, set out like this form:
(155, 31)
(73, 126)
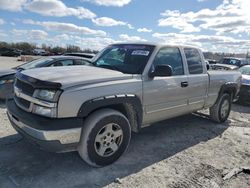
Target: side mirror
(161, 71)
(207, 65)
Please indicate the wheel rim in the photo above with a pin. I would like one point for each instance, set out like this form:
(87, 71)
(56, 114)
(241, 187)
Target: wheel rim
(108, 140)
(224, 108)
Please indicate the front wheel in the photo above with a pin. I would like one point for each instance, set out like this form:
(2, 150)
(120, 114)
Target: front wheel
(105, 137)
(220, 111)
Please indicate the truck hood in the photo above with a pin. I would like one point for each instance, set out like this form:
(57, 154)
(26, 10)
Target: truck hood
(75, 75)
(224, 66)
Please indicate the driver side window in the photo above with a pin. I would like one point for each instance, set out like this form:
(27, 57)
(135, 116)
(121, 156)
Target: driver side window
(170, 56)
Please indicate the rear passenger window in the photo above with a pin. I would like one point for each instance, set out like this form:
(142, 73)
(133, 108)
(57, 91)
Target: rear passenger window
(194, 61)
(60, 63)
(80, 62)
(170, 56)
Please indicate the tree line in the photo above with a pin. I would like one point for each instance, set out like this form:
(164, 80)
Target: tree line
(217, 56)
(25, 46)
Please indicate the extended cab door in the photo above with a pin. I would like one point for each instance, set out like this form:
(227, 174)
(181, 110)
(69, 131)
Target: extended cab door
(165, 97)
(197, 79)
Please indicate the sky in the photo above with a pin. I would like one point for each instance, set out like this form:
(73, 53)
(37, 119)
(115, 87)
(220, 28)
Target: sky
(212, 25)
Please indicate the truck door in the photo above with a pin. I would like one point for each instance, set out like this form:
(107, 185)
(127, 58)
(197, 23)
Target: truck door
(166, 97)
(197, 79)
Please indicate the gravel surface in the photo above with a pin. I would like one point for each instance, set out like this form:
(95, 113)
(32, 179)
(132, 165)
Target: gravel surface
(188, 151)
(9, 62)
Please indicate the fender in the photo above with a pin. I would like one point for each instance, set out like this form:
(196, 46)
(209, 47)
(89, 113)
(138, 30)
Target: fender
(128, 100)
(228, 87)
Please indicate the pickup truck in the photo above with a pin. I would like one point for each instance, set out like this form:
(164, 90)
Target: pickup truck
(93, 109)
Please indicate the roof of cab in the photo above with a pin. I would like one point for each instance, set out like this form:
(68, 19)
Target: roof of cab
(155, 44)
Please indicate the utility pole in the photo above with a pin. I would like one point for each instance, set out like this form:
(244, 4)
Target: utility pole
(248, 56)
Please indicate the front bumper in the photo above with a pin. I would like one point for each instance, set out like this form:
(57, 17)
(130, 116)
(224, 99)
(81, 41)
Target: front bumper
(55, 135)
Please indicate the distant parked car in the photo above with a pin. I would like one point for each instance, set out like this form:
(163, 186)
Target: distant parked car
(85, 55)
(244, 94)
(230, 63)
(39, 51)
(7, 76)
(10, 52)
(211, 61)
(27, 52)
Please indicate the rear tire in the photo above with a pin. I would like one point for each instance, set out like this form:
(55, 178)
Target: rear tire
(105, 137)
(220, 111)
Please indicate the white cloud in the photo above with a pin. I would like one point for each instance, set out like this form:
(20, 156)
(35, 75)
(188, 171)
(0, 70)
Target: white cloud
(62, 37)
(178, 23)
(66, 28)
(2, 21)
(232, 16)
(12, 5)
(62, 40)
(108, 22)
(96, 43)
(58, 9)
(144, 30)
(128, 38)
(116, 3)
(19, 32)
(3, 34)
(207, 42)
(30, 34)
(37, 34)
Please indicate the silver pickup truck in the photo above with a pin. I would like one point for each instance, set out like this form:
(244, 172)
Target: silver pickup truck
(93, 109)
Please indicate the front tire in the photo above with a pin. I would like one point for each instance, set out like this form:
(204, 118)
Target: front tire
(220, 111)
(105, 137)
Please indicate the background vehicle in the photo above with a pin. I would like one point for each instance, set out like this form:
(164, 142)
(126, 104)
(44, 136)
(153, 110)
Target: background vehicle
(85, 55)
(93, 109)
(10, 52)
(211, 61)
(7, 76)
(244, 94)
(229, 63)
(39, 51)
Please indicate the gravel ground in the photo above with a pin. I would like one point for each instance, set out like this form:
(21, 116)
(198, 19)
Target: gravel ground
(188, 151)
(9, 62)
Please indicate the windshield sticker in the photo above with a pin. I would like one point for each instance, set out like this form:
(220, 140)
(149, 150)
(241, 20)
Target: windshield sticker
(140, 52)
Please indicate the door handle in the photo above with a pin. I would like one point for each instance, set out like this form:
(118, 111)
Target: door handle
(184, 84)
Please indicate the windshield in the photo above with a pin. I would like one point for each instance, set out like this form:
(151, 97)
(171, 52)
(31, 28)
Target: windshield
(245, 70)
(35, 63)
(235, 62)
(125, 58)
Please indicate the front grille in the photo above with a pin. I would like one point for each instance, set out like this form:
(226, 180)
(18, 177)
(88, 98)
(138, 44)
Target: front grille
(24, 87)
(22, 103)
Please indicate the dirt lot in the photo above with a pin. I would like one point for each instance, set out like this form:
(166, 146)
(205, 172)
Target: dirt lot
(189, 151)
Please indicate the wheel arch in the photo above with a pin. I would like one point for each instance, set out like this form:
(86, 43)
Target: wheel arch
(230, 88)
(130, 105)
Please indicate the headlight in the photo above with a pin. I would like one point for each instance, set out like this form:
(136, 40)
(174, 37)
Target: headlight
(47, 95)
(47, 102)
(44, 111)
